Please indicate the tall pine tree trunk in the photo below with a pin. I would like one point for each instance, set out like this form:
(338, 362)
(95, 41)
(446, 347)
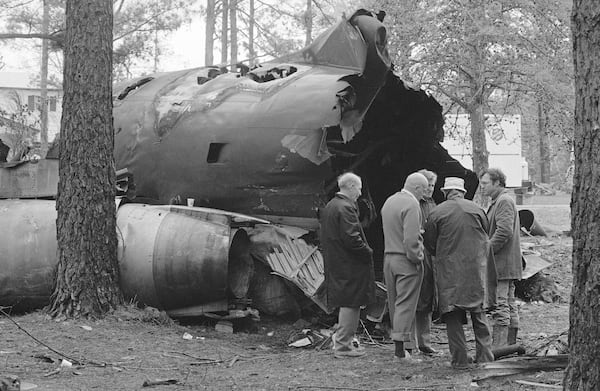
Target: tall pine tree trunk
(233, 33)
(44, 82)
(308, 22)
(210, 33)
(224, 28)
(251, 53)
(583, 371)
(480, 152)
(543, 140)
(87, 270)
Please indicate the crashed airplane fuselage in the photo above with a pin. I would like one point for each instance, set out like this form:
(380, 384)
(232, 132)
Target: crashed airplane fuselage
(270, 141)
(257, 147)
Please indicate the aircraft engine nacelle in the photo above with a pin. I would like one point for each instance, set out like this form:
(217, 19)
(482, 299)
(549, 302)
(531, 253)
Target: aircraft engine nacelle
(169, 257)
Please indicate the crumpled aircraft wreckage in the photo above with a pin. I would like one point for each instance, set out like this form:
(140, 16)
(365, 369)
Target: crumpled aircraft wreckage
(259, 152)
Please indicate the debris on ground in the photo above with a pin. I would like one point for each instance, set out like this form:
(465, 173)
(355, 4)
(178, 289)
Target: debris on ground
(517, 365)
(541, 385)
(159, 382)
(10, 383)
(306, 338)
(224, 326)
(552, 345)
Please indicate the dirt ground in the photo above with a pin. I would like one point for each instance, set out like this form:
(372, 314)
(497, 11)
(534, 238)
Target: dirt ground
(130, 347)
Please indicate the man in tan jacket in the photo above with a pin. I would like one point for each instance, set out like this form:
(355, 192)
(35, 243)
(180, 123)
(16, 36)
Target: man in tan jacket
(506, 244)
(403, 261)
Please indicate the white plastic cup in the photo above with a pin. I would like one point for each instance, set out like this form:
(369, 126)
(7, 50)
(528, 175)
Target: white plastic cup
(190, 202)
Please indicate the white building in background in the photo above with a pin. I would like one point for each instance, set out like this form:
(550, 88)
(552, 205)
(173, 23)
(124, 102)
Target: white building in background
(20, 107)
(503, 139)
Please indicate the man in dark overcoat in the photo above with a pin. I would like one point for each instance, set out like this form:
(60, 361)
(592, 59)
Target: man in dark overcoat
(348, 263)
(456, 235)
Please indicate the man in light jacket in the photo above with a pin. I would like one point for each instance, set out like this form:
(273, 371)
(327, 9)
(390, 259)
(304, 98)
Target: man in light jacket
(403, 261)
(506, 243)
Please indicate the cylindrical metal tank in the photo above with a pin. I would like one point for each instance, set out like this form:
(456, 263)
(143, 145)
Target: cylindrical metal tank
(27, 252)
(168, 258)
(173, 260)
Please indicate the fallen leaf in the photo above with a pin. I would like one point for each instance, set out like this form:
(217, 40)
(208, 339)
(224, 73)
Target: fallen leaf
(45, 357)
(301, 343)
(27, 386)
(159, 382)
(66, 363)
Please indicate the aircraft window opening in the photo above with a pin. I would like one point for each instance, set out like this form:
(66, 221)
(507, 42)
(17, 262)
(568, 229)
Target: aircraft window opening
(214, 152)
(261, 75)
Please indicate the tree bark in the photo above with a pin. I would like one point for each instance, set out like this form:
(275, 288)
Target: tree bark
(210, 33)
(583, 371)
(543, 140)
(308, 22)
(233, 33)
(224, 28)
(479, 145)
(44, 83)
(251, 53)
(87, 270)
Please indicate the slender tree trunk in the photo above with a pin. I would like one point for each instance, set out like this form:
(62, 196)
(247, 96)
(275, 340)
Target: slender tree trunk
(87, 270)
(583, 371)
(233, 33)
(542, 143)
(224, 29)
(156, 56)
(480, 153)
(44, 83)
(543, 140)
(308, 22)
(210, 33)
(251, 53)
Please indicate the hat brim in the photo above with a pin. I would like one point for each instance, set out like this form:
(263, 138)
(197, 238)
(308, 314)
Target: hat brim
(453, 188)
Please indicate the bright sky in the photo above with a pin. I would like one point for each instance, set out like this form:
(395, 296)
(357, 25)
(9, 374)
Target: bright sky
(185, 48)
(182, 49)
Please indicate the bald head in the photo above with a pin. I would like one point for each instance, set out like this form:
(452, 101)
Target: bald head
(417, 184)
(350, 184)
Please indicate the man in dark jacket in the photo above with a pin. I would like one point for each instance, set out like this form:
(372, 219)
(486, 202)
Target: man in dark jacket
(348, 263)
(456, 234)
(505, 232)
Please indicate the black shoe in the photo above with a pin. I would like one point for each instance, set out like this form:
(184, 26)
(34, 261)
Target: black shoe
(428, 350)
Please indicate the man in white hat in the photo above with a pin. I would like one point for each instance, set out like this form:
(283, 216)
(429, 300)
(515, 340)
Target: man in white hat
(456, 234)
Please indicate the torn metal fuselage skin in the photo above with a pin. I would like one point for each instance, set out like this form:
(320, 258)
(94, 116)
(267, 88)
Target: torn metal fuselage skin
(271, 142)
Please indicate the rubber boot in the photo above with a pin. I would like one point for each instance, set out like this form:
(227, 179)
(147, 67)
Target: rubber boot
(499, 336)
(512, 335)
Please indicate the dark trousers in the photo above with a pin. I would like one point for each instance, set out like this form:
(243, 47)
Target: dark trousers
(458, 343)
